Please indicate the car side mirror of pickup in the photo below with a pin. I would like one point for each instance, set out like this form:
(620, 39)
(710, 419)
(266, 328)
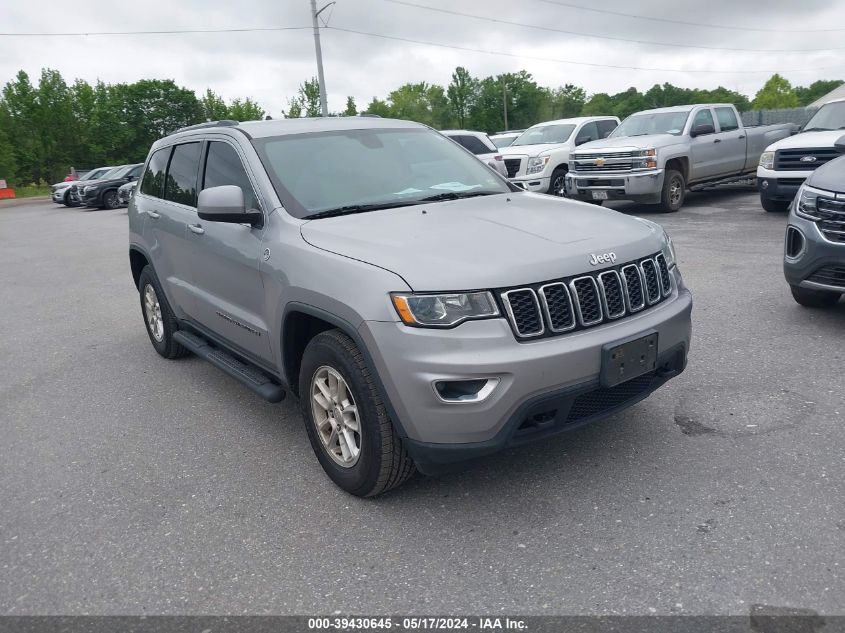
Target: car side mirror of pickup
(226, 204)
(840, 145)
(702, 129)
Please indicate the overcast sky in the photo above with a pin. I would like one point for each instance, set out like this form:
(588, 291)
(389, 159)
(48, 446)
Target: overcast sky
(269, 66)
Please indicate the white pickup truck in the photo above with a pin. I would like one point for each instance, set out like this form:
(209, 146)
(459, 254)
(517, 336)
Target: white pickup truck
(539, 157)
(786, 164)
(655, 155)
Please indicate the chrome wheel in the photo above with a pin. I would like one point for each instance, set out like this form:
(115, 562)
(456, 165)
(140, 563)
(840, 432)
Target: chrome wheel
(675, 191)
(152, 313)
(335, 416)
(558, 186)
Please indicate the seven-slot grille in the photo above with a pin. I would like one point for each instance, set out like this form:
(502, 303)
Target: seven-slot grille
(831, 222)
(800, 159)
(586, 300)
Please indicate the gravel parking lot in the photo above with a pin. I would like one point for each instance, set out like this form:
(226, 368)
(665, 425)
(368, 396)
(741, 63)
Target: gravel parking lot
(134, 485)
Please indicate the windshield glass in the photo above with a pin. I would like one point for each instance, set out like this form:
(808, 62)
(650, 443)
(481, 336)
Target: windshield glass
(655, 123)
(831, 116)
(111, 173)
(503, 141)
(94, 173)
(544, 135)
(319, 172)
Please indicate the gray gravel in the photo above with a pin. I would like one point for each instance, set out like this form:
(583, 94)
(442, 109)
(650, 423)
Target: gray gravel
(134, 485)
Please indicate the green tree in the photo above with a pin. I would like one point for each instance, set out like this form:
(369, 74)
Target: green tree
(20, 104)
(8, 165)
(563, 102)
(245, 110)
(598, 104)
(776, 93)
(379, 108)
(462, 94)
(817, 89)
(351, 109)
(294, 110)
(213, 106)
(309, 97)
(421, 102)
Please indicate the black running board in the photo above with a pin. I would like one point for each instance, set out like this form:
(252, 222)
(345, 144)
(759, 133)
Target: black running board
(248, 375)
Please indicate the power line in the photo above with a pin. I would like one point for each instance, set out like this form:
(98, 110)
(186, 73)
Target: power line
(608, 37)
(701, 24)
(579, 63)
(173, 32)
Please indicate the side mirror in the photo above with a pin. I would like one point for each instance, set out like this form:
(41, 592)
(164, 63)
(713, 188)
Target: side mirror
(702, 129)
(226, 204)
(840, 145)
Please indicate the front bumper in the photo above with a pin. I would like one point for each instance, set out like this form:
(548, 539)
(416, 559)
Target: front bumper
(534, 182)
(410, 360)
(59, 196)
(91, 199)
(644, 186)
(780, 186)
(816, 252)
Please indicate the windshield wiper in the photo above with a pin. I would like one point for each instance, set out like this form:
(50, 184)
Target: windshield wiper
(357, 208)
(456, 195)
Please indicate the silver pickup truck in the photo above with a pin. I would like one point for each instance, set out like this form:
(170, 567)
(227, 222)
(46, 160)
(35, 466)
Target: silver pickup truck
(655, 155)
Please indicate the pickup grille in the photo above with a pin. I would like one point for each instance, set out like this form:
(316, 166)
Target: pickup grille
(606, 161)
(512, 165)
(830, 276)
(791, 159)
(831, 222)
(574, 303)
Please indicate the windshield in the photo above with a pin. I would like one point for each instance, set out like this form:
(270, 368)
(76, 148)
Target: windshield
(320, 172)
(831, 116)
(94, 173)
(544, 135)
(111, 173)
(505, 141)
(655, 123)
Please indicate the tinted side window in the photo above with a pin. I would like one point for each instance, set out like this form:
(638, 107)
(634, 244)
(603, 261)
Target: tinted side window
(703, 117)
(473, 144)
(223, 167)
(606, 127)
(727, 119)
(181, 183)
(589, 132)
(153, 182)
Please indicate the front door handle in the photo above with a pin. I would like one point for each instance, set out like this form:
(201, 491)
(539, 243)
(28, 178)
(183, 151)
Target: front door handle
(196, 228)
(742, 136)
(154, 215)
(718, 140)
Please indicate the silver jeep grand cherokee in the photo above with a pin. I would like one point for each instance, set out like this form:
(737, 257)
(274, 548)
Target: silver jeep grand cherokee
(423, 309)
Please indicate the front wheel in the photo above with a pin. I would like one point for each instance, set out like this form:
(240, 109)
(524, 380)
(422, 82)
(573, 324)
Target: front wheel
(674, 191)
(68, 202)
(814, 298)
(346, 420)
(110, 200)
(557, 182)
(774, 206)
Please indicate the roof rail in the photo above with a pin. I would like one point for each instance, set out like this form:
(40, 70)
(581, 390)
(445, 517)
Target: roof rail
(199, 126)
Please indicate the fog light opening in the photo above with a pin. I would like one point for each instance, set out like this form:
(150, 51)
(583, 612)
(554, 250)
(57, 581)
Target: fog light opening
(462, 391)
(794, 242)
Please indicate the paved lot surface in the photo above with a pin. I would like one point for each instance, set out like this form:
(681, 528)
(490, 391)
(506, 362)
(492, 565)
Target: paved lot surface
(132, 484)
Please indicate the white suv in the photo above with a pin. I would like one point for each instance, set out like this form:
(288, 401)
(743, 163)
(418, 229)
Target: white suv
(538, 159)
(479, 144)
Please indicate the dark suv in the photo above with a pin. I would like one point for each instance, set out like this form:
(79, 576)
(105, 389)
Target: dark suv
(103, 193)
(814, 249)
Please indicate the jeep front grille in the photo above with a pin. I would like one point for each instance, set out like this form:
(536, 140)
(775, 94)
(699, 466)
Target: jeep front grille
(566, 305)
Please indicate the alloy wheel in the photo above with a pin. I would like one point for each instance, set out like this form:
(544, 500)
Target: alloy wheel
(152, 313)
(335, 416)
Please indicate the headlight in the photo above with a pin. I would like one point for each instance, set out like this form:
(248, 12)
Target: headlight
(89, 188)
(645, 159)
(443, 310)
(668, 250)
(806, 202)
(767, 160)
(536, 164)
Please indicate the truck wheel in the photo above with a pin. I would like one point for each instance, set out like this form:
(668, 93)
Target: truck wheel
(556, 182)
(674, 191)
(110, 200)
(814, 298)
(774, 206)
(158, 317)
(345, 418)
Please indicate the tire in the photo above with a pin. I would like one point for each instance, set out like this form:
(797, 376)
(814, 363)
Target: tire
(556, 182)
(68, 202)
(814, 298)
(163, 325)
(674, 191)
(774, 206)
(381, 462)
(109, 200)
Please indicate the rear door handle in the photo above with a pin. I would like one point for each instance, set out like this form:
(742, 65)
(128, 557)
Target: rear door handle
(154, 215)
(196, 228)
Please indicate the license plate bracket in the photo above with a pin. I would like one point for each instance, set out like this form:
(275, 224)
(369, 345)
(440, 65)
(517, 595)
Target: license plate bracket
(627, 359)
(598, 194)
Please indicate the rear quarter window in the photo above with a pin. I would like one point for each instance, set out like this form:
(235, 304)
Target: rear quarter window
(727, 119)
(152, 183)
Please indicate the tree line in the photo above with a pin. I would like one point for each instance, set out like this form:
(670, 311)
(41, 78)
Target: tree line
(49, 126)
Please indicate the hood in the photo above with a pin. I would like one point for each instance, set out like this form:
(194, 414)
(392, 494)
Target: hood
(830, 176)
(485, 242)
(63, 185)
(630, 142)
(529, 150)
(808, 140)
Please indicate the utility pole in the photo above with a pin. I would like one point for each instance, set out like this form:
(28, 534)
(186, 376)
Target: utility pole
(324, 108)
(505, 101)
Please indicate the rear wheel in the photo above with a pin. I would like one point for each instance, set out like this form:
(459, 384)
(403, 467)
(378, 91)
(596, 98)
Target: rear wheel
(814, 298)
(110, 200)
(774, 206)
(346, 421)
(158, 317)
(674, 191)
(557, 182)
